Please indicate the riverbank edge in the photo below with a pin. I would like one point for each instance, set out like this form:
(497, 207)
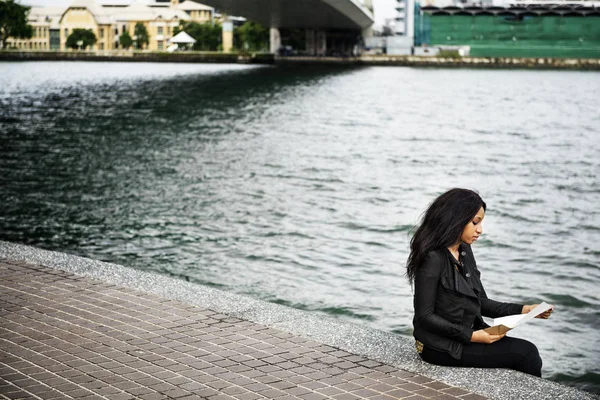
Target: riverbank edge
(378, 345)
(267, 58)
(138, 56)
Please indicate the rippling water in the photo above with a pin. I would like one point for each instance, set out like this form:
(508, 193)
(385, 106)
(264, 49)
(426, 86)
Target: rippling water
(299, 185)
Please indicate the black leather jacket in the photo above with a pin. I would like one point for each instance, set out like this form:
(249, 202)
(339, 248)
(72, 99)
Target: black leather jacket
(449, 303)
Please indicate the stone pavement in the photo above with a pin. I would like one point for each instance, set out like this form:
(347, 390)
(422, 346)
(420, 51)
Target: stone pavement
(64, 336)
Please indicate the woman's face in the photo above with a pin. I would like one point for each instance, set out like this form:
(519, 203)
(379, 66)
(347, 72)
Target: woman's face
(474, 228)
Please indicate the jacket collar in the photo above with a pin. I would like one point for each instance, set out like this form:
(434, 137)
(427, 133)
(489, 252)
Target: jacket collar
(460, 283)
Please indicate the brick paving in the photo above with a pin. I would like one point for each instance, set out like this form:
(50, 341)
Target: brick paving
(64, 336)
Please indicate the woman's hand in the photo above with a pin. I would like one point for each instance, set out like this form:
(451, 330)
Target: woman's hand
(544, 315)
(482, 336)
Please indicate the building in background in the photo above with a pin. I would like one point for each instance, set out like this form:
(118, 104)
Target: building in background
(53, 25)
(537, 29)
(403, 40)
(45, 22)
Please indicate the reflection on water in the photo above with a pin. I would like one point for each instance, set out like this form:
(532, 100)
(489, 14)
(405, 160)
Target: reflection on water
(300, 185)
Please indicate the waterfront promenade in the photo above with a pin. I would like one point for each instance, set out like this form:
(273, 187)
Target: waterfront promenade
(66, 336)
(67, 330)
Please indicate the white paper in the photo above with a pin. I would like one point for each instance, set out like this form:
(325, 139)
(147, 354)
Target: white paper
(513, 321)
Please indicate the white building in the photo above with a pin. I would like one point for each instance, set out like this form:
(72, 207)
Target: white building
(402, 41)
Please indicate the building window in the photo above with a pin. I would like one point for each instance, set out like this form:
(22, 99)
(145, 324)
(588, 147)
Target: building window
(168, 30)
(159, 30)
(124, 28)
(101, 46)
(66, 32)
(54, 39)
(101, 32)
(160, 44)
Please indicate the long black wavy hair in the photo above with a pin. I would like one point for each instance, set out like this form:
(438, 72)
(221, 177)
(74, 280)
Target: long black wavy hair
(442, 225)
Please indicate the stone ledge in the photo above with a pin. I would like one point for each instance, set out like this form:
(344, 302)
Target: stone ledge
(385, 347)
(545, 63)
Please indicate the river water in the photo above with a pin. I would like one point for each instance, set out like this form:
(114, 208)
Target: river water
(299, 185)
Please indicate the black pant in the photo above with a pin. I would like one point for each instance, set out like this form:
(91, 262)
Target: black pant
(507, 352)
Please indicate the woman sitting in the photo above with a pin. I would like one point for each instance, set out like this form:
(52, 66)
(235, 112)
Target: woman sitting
(449, 298)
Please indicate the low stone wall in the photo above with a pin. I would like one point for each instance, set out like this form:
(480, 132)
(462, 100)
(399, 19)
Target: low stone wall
(382, 346)
(452, 62)
(267, 58)
(137, 56)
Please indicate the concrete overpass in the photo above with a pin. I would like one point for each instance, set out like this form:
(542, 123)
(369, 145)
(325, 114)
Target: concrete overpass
(319, 18)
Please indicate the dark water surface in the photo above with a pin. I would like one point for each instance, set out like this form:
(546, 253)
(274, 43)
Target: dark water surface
(299, 185)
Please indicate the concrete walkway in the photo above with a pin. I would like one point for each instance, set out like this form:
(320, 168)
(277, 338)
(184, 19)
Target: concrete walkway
(66, 336)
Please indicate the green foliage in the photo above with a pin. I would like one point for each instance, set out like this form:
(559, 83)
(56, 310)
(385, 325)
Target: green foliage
(208, 36)
(251, 37)
(13, 21)
(86, 36)
(125, 40)
(248, 37)
(141, 35)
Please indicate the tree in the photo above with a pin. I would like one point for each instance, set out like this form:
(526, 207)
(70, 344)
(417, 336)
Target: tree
(81, 38)
(125, 40)
(141, 35)
(253, 37)
(208, 36)
(13, 21)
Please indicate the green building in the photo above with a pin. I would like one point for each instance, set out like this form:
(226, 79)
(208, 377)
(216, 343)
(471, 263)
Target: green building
(541, 30)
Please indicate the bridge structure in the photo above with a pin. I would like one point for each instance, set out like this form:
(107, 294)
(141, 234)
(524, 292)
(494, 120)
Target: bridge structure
(327, 27)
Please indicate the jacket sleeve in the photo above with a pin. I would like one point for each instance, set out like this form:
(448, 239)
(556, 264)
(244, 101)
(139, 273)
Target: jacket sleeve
(427, 279)
(492, 308)
(495, 309)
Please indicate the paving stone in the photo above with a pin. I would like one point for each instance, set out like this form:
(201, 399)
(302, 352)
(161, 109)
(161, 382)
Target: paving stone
(399, 393)
(436, 385)
(329, 391)
(414, 387)
(297, 391)
(272, 393)
(454, 391)
(248, 396)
